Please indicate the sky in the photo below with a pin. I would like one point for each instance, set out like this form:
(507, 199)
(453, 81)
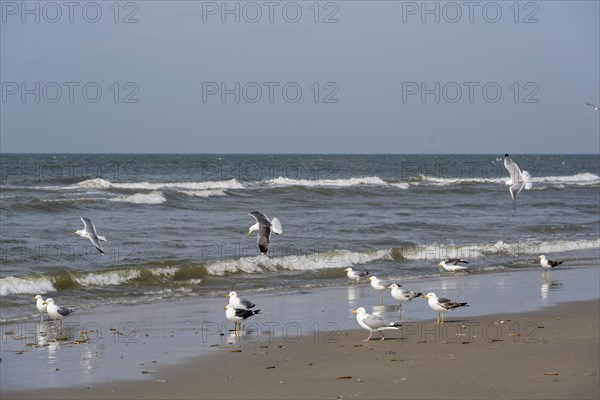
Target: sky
(299, 77)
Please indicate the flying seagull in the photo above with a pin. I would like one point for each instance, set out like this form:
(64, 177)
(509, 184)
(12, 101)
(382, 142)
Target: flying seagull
(239, 303)
(57, 312)
(237, 316)
(373, 323)
(378, 285)
(355, 275)
(402, 295)
(89, 232)
(548, 264)
(453, 265)
(596, 108)
(518, 179)
(264, 228)
(441, 305)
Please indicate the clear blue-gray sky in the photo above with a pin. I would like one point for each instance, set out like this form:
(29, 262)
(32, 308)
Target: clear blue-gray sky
(300, 77)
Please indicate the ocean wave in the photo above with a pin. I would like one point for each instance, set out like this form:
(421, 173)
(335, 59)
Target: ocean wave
(583, 179)
(31, 284)
(99, 183)
(492, 251)
(141, 198)
(341, 183)
(204, 192)
(311, 262)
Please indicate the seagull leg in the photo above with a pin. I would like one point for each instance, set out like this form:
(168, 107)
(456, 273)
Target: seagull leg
(438, 320)
(382, 337)
(442, 317)
(380, 297)
(369, 338)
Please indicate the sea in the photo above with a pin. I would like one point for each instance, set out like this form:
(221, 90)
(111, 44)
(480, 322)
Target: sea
(177, 224)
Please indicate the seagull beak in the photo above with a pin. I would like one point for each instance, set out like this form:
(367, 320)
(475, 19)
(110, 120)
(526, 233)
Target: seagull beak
(228, 296)
(439, 265)
(425, 297)
(34, 299)
(354, 312)
(249, 233)
(44, 303)
(370, 278)
(225, 308)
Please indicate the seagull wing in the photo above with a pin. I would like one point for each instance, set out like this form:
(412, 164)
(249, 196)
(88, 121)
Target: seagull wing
(374, 322)
(260, 218)
(91, 231)
(513, 170)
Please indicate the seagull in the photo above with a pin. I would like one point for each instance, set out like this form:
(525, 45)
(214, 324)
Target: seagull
(441, 304)
(264, 228)
(89, 232)
(41, 306)
(452, 265)
(57, 312)
(355, 275)
(377, 285)
(239, 303)
(237, 315)
(402, 295)
(548, 264)
(373, 323)
(596, 108)
(518, 179)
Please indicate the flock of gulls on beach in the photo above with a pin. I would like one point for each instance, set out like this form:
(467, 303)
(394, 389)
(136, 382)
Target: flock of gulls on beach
(240, 309)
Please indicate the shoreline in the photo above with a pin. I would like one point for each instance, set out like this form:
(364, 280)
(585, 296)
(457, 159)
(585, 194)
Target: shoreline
(165, 336)
(549, 353)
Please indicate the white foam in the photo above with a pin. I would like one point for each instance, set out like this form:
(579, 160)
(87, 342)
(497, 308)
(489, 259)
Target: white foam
(204, 192)
(32, 285)
(142, 198)
(99, 183)
(584, 179)
(493, 252)
(368, 180)
(312, 262)
(106, 278)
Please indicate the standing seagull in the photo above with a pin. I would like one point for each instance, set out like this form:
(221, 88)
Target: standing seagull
(596, 108)
(355, 275)
(518, 179)
(239, 303)
(377, 285)
(452, 265)
(441, 304)
(402, 295)
(41, 306)
(264, 228)
(237, 316)
(57, 312)
(548, 264)
(373, 323)
(89, 232)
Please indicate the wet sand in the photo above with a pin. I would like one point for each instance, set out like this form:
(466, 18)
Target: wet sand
(547, 354)
(306, 345)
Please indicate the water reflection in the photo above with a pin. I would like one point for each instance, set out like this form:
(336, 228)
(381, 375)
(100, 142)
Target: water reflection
(548, 285)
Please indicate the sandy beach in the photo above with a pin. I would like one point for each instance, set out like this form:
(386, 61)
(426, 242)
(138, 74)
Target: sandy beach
(546, 348)
(552, 353)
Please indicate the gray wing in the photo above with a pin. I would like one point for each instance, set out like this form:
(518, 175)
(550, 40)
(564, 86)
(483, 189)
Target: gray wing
(375, 322)
(447, 303)
(361, 273)
(261, 219)
(64, 311)
(264, 238)
(456, 261)
(91, 231)
(247, 303)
